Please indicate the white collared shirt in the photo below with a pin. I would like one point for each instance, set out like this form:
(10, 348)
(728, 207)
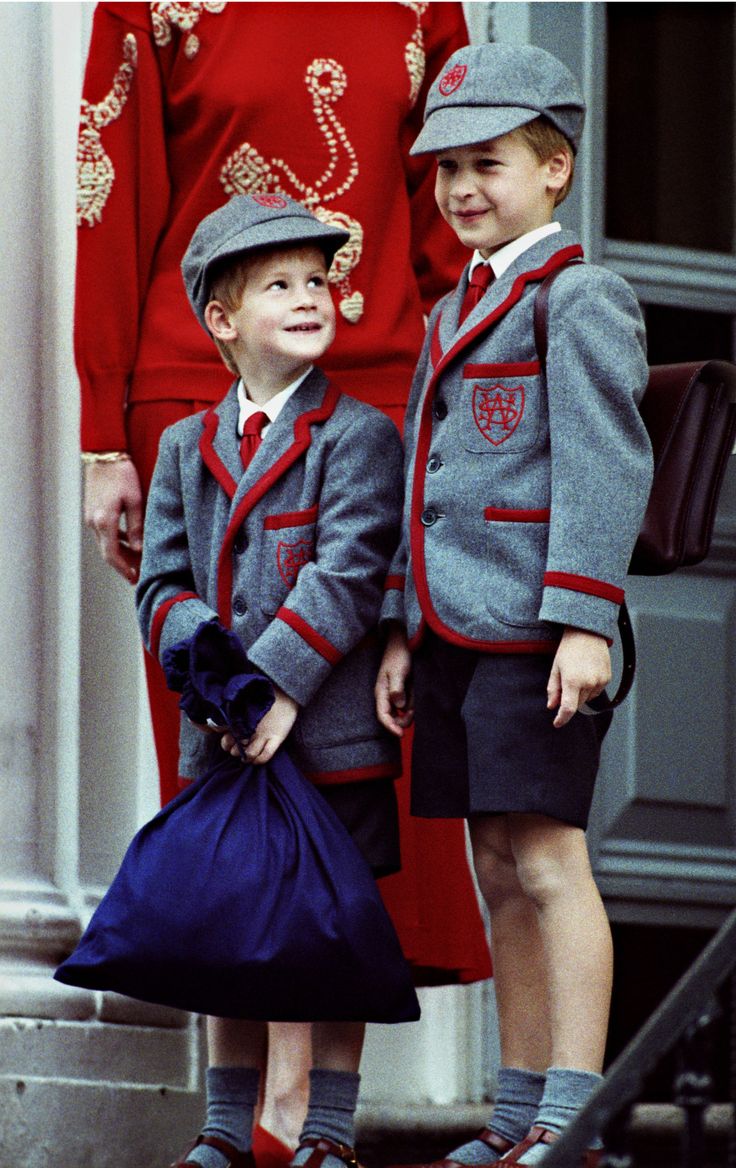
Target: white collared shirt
(271, 409)
(505, 256)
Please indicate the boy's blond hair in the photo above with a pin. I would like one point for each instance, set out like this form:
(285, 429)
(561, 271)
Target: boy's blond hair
(227, 285)
(544, 140)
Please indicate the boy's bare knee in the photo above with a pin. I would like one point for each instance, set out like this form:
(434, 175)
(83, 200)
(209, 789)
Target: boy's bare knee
(542, 879)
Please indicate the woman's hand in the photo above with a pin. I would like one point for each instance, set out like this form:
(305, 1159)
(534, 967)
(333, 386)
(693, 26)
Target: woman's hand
(112, 493)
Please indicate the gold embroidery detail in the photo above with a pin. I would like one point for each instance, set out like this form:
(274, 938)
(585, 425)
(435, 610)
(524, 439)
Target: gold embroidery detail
(246, 172)
(185, 16)
(414, 55)
(95, 171)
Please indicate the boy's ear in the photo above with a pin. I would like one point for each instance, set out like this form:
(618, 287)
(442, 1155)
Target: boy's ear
(559, 168)
(217, 319)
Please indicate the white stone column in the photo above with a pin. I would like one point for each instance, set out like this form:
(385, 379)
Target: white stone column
(39, 542)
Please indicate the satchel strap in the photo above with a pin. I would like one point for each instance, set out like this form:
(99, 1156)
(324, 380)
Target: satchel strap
(600, 704)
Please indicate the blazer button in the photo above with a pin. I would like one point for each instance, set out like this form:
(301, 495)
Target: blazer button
(429, 516)
(439, 409)
(241, 543)
(239, 606)
(434, 464)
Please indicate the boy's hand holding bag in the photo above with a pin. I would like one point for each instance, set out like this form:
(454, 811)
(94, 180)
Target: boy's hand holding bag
(245, 896)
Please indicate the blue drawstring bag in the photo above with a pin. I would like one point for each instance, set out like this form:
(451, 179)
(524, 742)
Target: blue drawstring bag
(245, 897)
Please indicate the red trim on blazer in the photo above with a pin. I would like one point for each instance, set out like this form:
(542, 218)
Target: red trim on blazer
(386, 770)
(515, 515)
(290, 519)
(159, 618)
(560, 258)
(319, 643)
(422, 453)
(435, 347)
(211, 458)
(302, 440)
(512, 369)
(397, 582)
(544, 647)
(584, 584)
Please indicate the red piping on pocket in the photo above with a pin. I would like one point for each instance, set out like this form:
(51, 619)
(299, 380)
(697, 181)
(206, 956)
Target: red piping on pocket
(290, 519)
(519, 369)
(513, 515)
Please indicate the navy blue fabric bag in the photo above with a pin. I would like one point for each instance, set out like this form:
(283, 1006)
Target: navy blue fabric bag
(245, 897)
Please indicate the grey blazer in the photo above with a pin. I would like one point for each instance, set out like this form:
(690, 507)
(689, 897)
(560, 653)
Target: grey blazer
(524, 495)
(292, 554)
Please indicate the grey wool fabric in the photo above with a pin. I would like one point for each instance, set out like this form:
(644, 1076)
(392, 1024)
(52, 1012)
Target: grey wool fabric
(524, 494)
(292, 554)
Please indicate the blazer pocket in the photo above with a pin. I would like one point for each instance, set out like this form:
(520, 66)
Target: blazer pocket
(516, 548)
(501, 407)
(288, 544)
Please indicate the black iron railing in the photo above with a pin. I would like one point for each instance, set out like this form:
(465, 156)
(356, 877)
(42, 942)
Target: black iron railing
(684, 1021)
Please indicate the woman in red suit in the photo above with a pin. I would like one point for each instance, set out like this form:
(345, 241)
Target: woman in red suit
(184, 105)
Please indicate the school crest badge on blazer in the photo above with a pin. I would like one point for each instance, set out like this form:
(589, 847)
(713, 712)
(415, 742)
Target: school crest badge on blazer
(497, 411)
(291, 558)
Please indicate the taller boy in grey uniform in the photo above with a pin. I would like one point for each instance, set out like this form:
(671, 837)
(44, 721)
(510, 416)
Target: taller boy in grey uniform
(286, 536)
(524, 497)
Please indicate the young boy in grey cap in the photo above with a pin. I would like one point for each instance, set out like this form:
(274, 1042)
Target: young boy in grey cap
(525, 491)
(277, 512)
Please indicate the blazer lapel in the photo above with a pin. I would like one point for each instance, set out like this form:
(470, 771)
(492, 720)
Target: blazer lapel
(287, 437)
(286, 440)
(532, 265)
(219, 446)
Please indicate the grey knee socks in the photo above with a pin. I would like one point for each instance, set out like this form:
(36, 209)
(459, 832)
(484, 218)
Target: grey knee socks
(232, 1094)
(333, 1097)
(515, 1109)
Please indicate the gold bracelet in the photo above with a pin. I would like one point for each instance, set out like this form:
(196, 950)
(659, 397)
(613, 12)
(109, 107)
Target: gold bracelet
(92, 457)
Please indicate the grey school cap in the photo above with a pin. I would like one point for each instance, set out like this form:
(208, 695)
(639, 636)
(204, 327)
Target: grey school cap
(250, 223)
(488, 90)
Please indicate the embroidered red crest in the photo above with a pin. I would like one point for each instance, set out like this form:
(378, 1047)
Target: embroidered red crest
(497, 411)
(291, 558)
(273, 202)
(453, 79)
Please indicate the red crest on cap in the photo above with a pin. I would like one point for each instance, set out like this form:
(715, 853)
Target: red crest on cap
(274, 202)
(453, 79)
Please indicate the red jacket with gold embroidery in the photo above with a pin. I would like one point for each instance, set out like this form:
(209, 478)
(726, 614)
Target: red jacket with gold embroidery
(187, 104)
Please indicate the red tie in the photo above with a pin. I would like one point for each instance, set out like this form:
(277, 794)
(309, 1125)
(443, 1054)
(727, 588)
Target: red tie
(251, 439)
(480, 279)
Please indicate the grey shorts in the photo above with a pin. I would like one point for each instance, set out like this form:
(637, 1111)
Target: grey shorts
(484, 742)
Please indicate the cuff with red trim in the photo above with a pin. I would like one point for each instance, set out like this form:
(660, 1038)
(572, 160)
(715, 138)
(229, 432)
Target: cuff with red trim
(177, 619)
(581, 602)
(392, 608)
(295, 657)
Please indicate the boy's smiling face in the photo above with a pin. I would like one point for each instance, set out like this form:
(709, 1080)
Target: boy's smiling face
(496, 191)
(285, 320)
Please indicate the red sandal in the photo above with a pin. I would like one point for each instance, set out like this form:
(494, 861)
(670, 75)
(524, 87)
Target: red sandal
(542, 1135)
(235, 1159)
(492, 1140)
(324, 1147)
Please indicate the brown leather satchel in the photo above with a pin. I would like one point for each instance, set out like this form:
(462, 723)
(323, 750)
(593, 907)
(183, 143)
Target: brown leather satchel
(689, 411)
